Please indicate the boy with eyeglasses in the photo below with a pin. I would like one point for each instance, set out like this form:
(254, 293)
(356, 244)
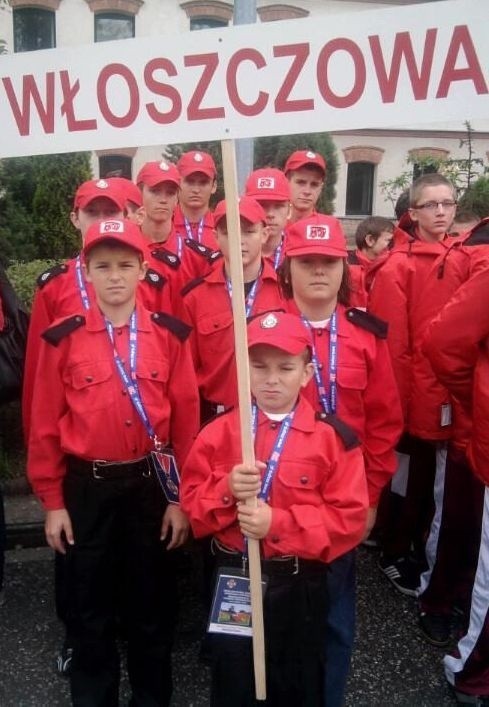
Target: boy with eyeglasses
(398, 295)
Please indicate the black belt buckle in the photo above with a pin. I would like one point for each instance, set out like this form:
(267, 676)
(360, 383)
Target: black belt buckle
(95, 465)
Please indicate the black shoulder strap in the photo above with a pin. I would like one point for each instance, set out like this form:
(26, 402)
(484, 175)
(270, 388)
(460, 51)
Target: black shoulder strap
(165, 256)
(192, 285)
(348, 436)
(367, 321)
(176, 326)
(154, 279)
(58, 331)
(198, 248)
(53, 272)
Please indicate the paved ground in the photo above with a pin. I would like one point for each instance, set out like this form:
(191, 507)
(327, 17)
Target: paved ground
(392, 664)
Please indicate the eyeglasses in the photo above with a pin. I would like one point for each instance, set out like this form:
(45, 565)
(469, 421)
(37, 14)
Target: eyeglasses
(433, 205)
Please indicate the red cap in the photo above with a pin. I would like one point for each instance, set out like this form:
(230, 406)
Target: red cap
(301, 158)
(268, 185)
(153, 173)
(124, 232)
(279, 329)
(316, 235)
(129, 190)
(249, 209)
(94, 189)
(195, 161)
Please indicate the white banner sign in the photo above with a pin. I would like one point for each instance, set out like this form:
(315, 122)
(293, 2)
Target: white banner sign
(367, 69)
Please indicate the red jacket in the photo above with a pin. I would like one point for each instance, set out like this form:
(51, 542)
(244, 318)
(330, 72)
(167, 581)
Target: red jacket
(81, 407)
(399, 296)
(318, 495)
(367, 395)
(58, 296)
(208, 232)
(457, 345)
(207, 307)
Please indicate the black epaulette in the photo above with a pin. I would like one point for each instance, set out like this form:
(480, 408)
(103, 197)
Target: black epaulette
(367, 321)
(154, 279)
(191, 285)
(352, 258)
(53, 272)
(167, 257)
(215, 255)
(348, 436)
(55, 333)
(198, 248)
(176, 326)
(479, 235)
(216, 416)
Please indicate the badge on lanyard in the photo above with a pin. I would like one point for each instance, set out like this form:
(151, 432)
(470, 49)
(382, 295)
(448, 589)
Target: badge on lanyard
(166, 471)
(231, 603)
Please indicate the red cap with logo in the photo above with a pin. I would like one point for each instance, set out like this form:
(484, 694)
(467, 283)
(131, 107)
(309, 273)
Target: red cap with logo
(268, 185)
(153, 173)
(249, 209)
(317, 235)
(123, 232)
(303, 158)
(196, 161)
(96, 188)
(129, 190)
(284, 331)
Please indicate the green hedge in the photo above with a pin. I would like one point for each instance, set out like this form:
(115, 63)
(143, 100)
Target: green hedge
(23, 277)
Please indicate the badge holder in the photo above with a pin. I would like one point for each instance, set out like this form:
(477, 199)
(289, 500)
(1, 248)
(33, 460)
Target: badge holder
(231, 603)
(166, 470)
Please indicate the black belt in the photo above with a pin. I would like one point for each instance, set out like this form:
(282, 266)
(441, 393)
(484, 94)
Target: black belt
(106, 470)
(283, 565)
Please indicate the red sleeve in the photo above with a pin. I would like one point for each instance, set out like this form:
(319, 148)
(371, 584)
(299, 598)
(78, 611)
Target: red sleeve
(388, 300)
(45, 459)
(453, 338)
(184, 400)
(383, 423)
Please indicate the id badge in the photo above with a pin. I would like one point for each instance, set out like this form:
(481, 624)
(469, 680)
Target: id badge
(166, 470)
(446, 415)
(231, 603)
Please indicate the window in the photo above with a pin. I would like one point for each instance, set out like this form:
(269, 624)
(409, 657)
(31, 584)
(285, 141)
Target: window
(359, 188)
(112, 25)
(115, 166)
(206, 23)
(33, 29)
(423, 168)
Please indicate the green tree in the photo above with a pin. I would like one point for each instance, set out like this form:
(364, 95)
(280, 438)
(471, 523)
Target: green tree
(273, 152)
(17, 229)
(476, 198)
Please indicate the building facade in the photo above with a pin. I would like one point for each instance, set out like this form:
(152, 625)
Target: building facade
(367, 158)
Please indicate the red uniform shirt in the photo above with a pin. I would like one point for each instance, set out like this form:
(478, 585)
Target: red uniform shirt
(367, 398)
(457, 344)
(208, 234)
(398, 295)
(81, 406)
(58, 295)
(207, 307)
(318, 494)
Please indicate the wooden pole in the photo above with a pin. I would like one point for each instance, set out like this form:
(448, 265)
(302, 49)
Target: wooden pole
(247, 443)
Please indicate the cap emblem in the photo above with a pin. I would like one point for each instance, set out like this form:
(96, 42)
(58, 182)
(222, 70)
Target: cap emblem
(198, 157)
(311, 155)
(266, 183)
(164, 166)
(102, 184)
(317, 232)
(269, 322)
(111, 227)
(154, 277)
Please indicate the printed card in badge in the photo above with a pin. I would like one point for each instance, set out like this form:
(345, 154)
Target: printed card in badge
(166, 470)
(231, 604)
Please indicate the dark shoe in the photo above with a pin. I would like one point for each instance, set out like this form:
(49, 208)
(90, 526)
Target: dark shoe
(2, 597)
(435, 628)
(63, 661)
(402, 572)
(477, 700)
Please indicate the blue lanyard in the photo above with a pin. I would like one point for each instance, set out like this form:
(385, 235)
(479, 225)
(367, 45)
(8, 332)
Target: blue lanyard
(328, 402)
(278, 447)
(81, 284)
(278, 254)
(250, 300)
(200, 229)
(129, 380)
(179, 247)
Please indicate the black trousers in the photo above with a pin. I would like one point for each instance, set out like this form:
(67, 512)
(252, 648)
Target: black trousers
(118, 556)
(2, 539)
(295, 610)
